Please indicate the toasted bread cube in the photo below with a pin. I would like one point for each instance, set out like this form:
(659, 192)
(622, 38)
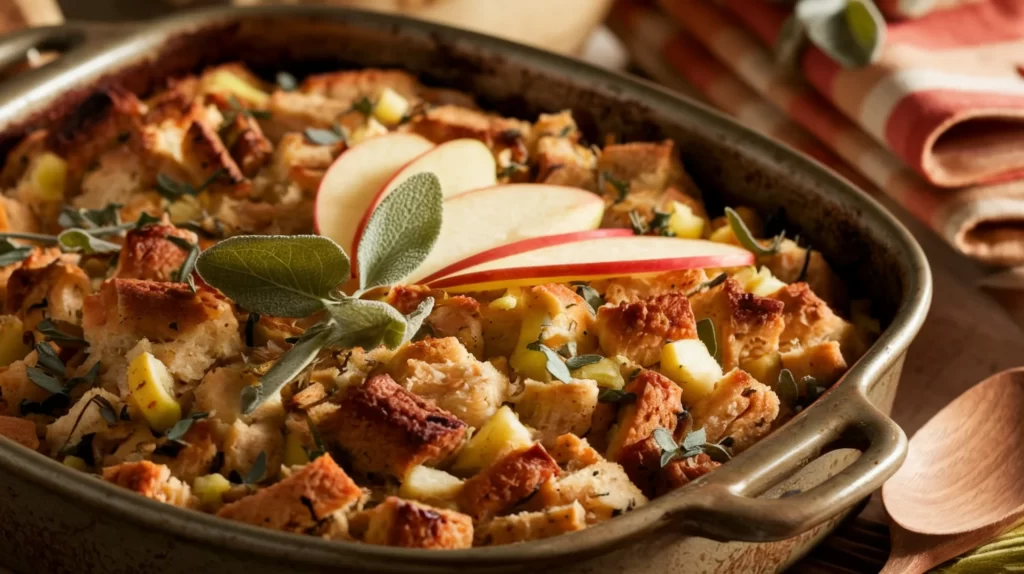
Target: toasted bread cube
(16, 388)
(15, 216)
(299, 502)
(506, 482)
(563, 161)
(573, 453)
(199, 453)
(739, 407)
(691, 366)
(430, 485)
(236, 80)
(382, 412)
(632, 289)
(557, 408)
(151, 392)
(639, 330)
(642, 463)
(789, 262)
(349, 86)
(642, 165)
(83, 418)
(299, 161)
(152, 481)
(21, 431)
(603, 489)
(447, 122)
(501, 434)
(658, 404)
(148, 254)
(243, 444)
(219, 391)
(407, 524)
(532, 525)
(746, 326)
(810, 321)
(12, 340)
(61, 285)
(555, 315)
(823, 361)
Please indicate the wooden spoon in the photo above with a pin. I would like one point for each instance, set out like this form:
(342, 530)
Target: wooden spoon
(961, 484)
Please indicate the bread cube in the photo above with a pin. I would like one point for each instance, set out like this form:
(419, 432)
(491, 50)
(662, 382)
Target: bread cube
(407, 524)
(508, 481)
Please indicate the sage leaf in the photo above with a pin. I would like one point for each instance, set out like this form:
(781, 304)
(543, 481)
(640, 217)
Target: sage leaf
(284, 276)
(258, 470)
(401, 232)
(706, 334)
(554, 364)
(11, 253)
(48, 359)
(664, 439)
(45, 381)
(50, 331)
(90, 218)
(578, 361)
(414, 320)
(80, 241)
(716, 452)
(787, 389)
(184, 273)
(370, 324)
(177, 432)
(851, 32)
(289, 365)
(591, 296)
(321, 136)
(746, 238)
(615, 396)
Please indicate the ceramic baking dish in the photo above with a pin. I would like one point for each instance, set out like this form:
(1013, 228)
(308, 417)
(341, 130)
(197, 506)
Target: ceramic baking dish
(758, 513)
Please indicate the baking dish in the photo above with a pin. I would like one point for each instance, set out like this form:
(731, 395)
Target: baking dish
(735, 519)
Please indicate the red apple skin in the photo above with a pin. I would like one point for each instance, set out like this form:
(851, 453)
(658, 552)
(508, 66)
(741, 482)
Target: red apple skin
(524, 245)
(584, 270)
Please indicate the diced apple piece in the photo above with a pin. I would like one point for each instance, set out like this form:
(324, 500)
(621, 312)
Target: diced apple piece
(486, 218)
(294, 453)
(691, 366)
(48, 176)
(605, 372)
(429, 484)
(390, 107)
(526, 362)
(76, 463)
(759, 282)
(598, 258)
(12, 341)
(684, 223)
(460, 165)
(765, 368)
(210, 489)
(353, 180)
(226, 82)
(149, 389)
(501, 433)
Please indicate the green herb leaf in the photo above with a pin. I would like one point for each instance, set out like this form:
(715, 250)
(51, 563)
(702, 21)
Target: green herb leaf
(709, 284)
(803, 268)
(664, 439)
(319, 442)
(717, 452)
(11, 253)
(581, 360)
(287, 82)
(283, 276)
(369, 324)
(250, 329)
(695, 439)
(145, 219)
(177, 432)
(401, 232)
(90, 218)
(787, 389)
(258, 470)
(414, 320)
(87, 379)
(363, 105)
(321, 136)
(45, 381)
(568, 351)
(172, 189)
(80, 241)
(554, 364)
(746, 239)
(289, 365)
(49, 360)
(107, 410)
(615, 396)
(706, 334)
(621, 187)
(184, 273)
(591, 296)
(52, 333)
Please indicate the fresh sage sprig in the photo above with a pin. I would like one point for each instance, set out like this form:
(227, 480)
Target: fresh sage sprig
(696, 442)
(299, 276)
(49, 372)
(553, 361)
(746, 238)
(11, 253)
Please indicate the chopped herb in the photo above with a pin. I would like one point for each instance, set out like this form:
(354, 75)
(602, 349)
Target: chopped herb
(568, 351)
(125, 415)
(180, 428)
(146, 219)
(807, 263)
(787, 389)
(709, 284)
(320, 136)
(45, 381)
(48, 359)
(695, 443)
(258, 470)
(659, 223)
(620, 187)
(11, 253)
(615, 396)
(106, 411)
(320, 449)
(184, 273)
(287, 82)
(174, 190)
(363, 105)
(591, 296)
(90, 218)
(250, 329)
(554, 364)
(582, 360)
(49, 374)
(706, 334)
(50, 331)
(237, 109)
(746, 239)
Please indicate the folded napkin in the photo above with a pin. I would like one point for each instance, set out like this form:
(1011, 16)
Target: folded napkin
(986, 222)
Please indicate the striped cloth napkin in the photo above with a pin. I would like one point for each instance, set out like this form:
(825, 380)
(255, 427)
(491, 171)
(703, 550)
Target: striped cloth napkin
(983, 221)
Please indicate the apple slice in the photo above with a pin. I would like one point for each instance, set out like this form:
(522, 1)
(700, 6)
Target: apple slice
(461, 165)
(353, 180)
(597, 258)
(486, 218)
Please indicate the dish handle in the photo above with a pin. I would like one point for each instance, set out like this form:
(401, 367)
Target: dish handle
(727, 509)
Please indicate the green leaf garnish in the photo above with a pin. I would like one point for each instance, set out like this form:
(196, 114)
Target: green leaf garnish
(81, 241)
(615, 396)
(591, 296)
(90, 218)
(287, 82)
(48, 359)
(173, 190)
(289, 365)
(258, 470)
(746, 239)
(554, 364)
(401, 232)
(184, 273)
(706, 334)
(621, 187)
(45, 381)
(50, 331)
(11, 253)
(709, 284)
(146, 219)
(320, 449)
(291, 276)
(695, 443)
(806, 265)
(787, 389)
(578, 361)
(363, 105)
(177, 432)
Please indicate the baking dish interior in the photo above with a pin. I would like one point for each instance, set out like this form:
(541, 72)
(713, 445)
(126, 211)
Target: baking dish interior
(730, 164)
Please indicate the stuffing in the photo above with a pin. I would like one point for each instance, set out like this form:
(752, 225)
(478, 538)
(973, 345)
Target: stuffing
(298, 502)
(445, 123)
(603, 489)
(633, 289)
(243, 444)
(562, 161)
(351, 85)
(16, 388)
(246, 143)
(511, 479)
(21, 431)
(21, 156)
(568, 316)
(789, 262)
(15, 216)
(187, 331)
(809, 321)
(642, 463)
(148, 254)
(560, 124)
(406, 524)
(122, 177)
(573, 453)
(639, 330)
(85, 417)
(57, 291)
(746, 326)
(295, 111)
(152, 481)
(455, 316)
(823, 361)
(556, 408)
(532, 525)
(219, 390)
(739, 407)
(442, 371)
(196, 458)
(382, 412)
(641, 166)
(298, 160)
(658, 404)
